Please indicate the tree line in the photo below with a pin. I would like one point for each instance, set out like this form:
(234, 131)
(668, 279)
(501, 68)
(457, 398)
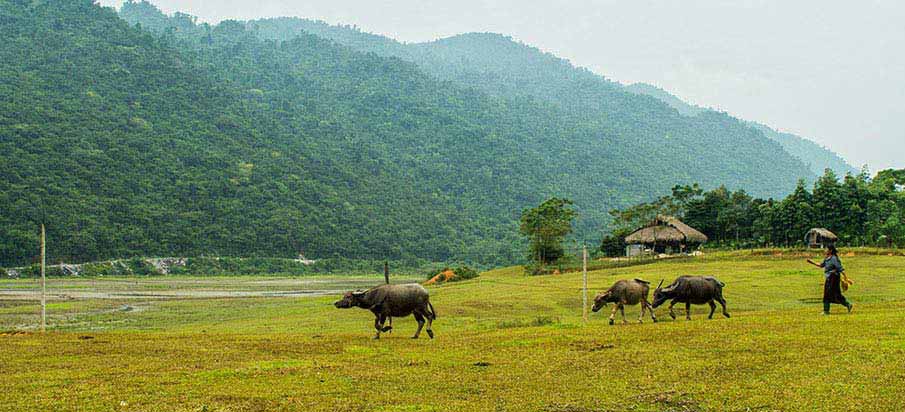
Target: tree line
(860, 210)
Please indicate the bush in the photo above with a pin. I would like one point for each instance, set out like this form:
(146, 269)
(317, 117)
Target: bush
(464, 273)
(536, 269)
(458, 274)
(140, 267)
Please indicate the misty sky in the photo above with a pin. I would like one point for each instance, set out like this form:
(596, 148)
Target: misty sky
(833, 71)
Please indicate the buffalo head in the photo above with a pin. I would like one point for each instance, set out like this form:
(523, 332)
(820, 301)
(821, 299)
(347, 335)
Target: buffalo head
(600, 301)
(349, 300)
(660, 295)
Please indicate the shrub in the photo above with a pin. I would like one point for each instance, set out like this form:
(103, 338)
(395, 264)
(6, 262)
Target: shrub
(464, 273)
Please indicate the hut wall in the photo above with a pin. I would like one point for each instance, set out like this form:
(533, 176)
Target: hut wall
(634, 250)
(816, 241)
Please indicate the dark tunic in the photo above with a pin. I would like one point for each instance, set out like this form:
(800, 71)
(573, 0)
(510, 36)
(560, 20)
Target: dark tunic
(832, 288)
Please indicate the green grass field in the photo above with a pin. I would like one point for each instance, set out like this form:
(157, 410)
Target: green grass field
(505, 342)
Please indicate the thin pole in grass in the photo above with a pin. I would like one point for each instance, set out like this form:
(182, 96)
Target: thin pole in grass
(584, 272)
(43, 280)
(386, 271)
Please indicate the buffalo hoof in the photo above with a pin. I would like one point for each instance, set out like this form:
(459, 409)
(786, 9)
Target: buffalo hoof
(710, 317)
(726, 315)
(612, 322)
(430, 333)
(376, 337)
(415, 337)
(386, 329)
(655, 320)
(673, 316)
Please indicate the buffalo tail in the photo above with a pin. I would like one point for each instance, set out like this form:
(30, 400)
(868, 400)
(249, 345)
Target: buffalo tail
(433, 312)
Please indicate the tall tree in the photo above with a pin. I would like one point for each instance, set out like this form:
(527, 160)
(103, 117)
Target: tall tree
(829, 202)
(546, 226)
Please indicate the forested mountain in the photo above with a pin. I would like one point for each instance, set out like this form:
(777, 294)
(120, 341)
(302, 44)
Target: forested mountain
(817, 157)
(499, 65)
(505, 68)
(637, 135)
(127, 144)
(214, 140)
(686, 109)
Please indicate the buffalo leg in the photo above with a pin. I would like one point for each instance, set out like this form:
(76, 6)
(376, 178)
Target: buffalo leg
(420, 320)
(643, 308)
(672, 313)
(378, 324)
(687, 311)
(650, 309)
(723, 304)
(712, 309)
(430, 321)
(613, 314)
(622, 311)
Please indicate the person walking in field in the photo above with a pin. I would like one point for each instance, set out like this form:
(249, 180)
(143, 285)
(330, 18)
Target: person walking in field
(832, 287)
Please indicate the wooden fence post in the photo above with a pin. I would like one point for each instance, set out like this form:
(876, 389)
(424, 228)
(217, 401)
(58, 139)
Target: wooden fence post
(43, 280)
(386, 271)
(584, 271)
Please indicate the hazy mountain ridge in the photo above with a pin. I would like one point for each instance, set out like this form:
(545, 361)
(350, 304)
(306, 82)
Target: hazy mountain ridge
(817, 157)
(504, 68)
(456, 65)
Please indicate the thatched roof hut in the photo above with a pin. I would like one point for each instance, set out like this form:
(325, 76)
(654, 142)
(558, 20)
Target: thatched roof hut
(820, 238)
(666, 232)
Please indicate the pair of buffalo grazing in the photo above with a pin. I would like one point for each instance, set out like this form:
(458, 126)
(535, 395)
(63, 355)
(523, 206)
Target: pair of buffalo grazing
(388, 301)
(690, 290)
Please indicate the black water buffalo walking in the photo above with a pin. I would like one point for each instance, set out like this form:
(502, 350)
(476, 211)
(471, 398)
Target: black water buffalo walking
(387, 301)
(691, 290)
(625, 292)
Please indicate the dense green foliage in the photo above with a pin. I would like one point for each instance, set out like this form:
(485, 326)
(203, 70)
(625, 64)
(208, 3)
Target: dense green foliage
(464, 273)
(460, 273)
(194, 140)
(614, 244)
(128, 146)
(546, 227)
(817, 157)
(860, 210)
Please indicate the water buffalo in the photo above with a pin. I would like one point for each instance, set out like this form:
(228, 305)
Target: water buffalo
(689, 290)
(625, 292)
(387, 301)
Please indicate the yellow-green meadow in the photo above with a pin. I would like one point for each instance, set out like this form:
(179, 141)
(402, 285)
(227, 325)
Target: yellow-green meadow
(505, 342)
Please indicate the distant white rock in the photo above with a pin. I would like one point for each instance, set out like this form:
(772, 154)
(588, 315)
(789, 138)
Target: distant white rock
(307, 262)
(164, 265)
